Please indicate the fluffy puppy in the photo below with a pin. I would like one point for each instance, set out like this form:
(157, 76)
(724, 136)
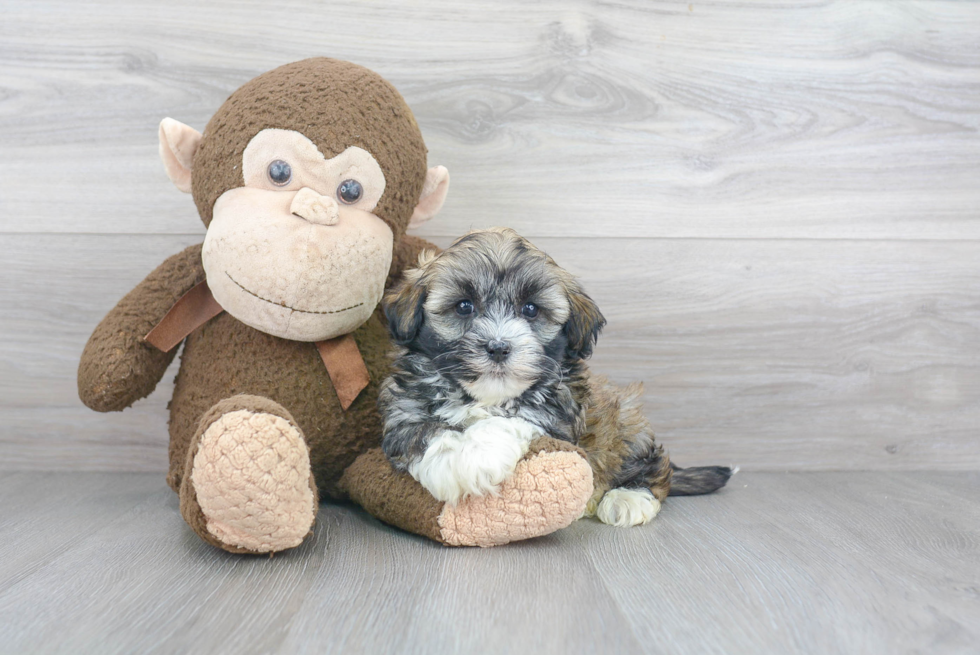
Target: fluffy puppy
(492, 340)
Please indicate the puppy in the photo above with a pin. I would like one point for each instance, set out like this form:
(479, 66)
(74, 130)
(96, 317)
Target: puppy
(492, 339)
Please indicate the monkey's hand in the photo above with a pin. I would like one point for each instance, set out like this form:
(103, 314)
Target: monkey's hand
(117, 367)
(473, 462)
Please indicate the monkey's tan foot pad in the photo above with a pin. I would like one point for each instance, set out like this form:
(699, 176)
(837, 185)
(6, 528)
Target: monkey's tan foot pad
(548, 491)
(252, 482)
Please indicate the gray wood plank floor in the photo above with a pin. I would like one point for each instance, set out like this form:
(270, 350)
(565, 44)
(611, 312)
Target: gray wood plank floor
(882, 562)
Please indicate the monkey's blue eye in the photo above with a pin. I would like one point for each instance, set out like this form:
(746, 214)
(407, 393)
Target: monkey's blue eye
(464, 307)
(280, 173)
(350, 191)
(529, 310)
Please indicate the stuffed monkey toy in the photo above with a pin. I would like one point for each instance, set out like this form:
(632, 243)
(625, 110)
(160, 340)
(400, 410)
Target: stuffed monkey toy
(306, 179)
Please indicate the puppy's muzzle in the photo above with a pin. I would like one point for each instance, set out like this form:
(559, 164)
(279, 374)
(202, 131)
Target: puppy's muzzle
(498, 350)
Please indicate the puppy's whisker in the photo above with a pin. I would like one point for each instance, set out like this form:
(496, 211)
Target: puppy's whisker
(559, 369)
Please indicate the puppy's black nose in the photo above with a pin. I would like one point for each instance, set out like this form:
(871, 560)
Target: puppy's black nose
(498, 350)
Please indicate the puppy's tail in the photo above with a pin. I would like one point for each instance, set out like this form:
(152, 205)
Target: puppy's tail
(697, 480)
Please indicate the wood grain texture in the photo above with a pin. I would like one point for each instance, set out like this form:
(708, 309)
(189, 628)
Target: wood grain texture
(775, 205)
(709, 119)
(54, 292)
(769, 354)
(776, 563)
(813, 563)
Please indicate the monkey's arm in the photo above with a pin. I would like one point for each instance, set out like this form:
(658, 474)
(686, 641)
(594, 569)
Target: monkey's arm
(117, 367)
(406, 255)
(549, 490)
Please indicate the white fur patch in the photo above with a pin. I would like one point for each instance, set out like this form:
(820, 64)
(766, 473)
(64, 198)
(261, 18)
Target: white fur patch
(462, 415)
(475, 462)
(493, 389)
(627, 507)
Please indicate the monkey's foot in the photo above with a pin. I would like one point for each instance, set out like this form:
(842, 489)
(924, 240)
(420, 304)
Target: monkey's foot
(548, 490)
(247, 486)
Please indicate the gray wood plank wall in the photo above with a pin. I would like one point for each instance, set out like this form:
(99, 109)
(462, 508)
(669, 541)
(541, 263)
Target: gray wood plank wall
(776, 206)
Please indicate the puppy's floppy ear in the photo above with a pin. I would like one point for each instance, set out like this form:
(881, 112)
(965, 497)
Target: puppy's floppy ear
(585, 321)
(403, 307)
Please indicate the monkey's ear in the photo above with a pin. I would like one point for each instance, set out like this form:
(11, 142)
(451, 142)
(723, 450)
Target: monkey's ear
(585, 321)
(403, 307)
(434, 192)
(178, 143)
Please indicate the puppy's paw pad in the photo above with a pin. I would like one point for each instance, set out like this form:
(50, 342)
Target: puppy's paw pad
(627, 507)
(546, 493)
(251, 476)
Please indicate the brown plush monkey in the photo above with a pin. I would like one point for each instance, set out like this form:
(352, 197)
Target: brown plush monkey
(306, 178)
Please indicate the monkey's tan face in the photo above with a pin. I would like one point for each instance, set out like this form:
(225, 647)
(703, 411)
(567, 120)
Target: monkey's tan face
(296, 252)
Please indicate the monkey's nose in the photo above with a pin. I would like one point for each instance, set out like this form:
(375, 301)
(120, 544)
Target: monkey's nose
(498, 350)
(310, 205)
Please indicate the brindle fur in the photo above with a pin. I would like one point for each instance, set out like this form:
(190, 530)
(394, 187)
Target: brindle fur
(438, 355)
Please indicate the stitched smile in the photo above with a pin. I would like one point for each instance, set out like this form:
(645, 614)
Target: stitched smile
(282, 304)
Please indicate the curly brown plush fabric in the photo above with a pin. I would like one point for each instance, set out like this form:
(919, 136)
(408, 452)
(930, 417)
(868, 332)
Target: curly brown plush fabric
(406, 256)
(234, 378)
(117, 367)
(225, 358)
(546, 493)
(407, 504)
(353, 106)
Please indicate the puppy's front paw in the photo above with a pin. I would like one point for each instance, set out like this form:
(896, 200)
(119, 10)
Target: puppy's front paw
(474, 462)
(627, 507)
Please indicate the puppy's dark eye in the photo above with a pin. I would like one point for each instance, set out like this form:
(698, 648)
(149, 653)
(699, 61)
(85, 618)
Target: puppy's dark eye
(464, 308)
(280, 172)
(530, 310)
(350, 191)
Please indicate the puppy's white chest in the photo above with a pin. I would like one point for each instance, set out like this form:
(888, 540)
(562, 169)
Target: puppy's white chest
(465, 415)
(513, 429)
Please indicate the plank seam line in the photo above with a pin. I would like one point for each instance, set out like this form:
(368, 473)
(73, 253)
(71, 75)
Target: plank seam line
(201, 235)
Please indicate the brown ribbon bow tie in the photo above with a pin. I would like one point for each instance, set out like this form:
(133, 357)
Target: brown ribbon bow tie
(340, 355)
